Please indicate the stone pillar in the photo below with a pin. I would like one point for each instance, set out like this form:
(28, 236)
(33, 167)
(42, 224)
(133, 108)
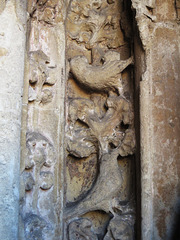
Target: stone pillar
(159, 115)
(12, 45)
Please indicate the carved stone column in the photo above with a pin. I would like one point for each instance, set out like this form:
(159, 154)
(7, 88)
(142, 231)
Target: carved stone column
(78, 183)
(100, 137)
(41, 201)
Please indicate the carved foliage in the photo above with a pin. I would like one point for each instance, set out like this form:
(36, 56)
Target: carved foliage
(101, 123)
(40, 156)
(41, 76)
(38, 176)
(44, 10)
(106, 131)
(92, 22)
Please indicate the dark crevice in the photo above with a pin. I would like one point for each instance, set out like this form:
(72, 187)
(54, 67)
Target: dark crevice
(139, 69)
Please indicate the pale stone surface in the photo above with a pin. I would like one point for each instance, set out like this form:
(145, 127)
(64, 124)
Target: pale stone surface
(100, 134)
(12, 47)
(42, 142)
(159, 115)
(95, 41)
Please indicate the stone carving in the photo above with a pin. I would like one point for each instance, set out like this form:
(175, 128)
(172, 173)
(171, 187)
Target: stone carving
(42, 65)
(34, 227)
(41, 74)
(100, 124)
(93, 22)
(40, 156)
(38, 176)
(111, 143)
(100, 78)
(40, 200)
(120, 227)
(44, 10)
(145, 8)
(81, 230)
(99, 127)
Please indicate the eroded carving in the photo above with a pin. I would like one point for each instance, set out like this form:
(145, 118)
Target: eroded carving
(100, 78)
(38, 176)
(44, 10)
(81, 229)
(100, 124)
(41, 76)
(34, 227)
(120, 227)
(93, 22)
(40, 168)
(41, 157)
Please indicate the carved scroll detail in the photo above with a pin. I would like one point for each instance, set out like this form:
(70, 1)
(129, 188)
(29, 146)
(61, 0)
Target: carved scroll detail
(100, 118)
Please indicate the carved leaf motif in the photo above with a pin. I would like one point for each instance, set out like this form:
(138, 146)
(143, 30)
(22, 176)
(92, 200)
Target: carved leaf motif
(40, 151)
(100, 124)
(41, 73)
(80, 143)
(103, 129)
(92, 23)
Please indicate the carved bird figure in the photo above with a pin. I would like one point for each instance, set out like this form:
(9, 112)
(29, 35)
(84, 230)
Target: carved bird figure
(99, 78)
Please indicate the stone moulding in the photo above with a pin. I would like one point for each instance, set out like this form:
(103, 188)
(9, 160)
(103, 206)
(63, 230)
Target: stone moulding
(100, 122)
(78, 184)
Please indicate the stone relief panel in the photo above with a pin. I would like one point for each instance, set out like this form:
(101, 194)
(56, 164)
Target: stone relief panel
(100, 137)
(81, 188)
(42, 154)
(38, 179)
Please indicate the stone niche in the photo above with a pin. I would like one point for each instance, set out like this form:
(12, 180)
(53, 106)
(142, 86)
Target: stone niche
(78, 136)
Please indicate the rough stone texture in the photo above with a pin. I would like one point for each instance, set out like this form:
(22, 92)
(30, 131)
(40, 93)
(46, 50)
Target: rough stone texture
(84, 187)
(159, 115)
(100, 134)
(64, 185)
(41, 198)
(12, 48)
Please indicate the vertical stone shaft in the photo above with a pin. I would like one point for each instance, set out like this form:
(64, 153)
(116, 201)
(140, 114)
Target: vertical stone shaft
(41, 200)
(158, 25)
(12, 46)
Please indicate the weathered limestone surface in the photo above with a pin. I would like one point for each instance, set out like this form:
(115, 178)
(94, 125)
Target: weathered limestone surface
(78, 138)
(100, 135)
(159, 114)
(12, 48)
(41, 199)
